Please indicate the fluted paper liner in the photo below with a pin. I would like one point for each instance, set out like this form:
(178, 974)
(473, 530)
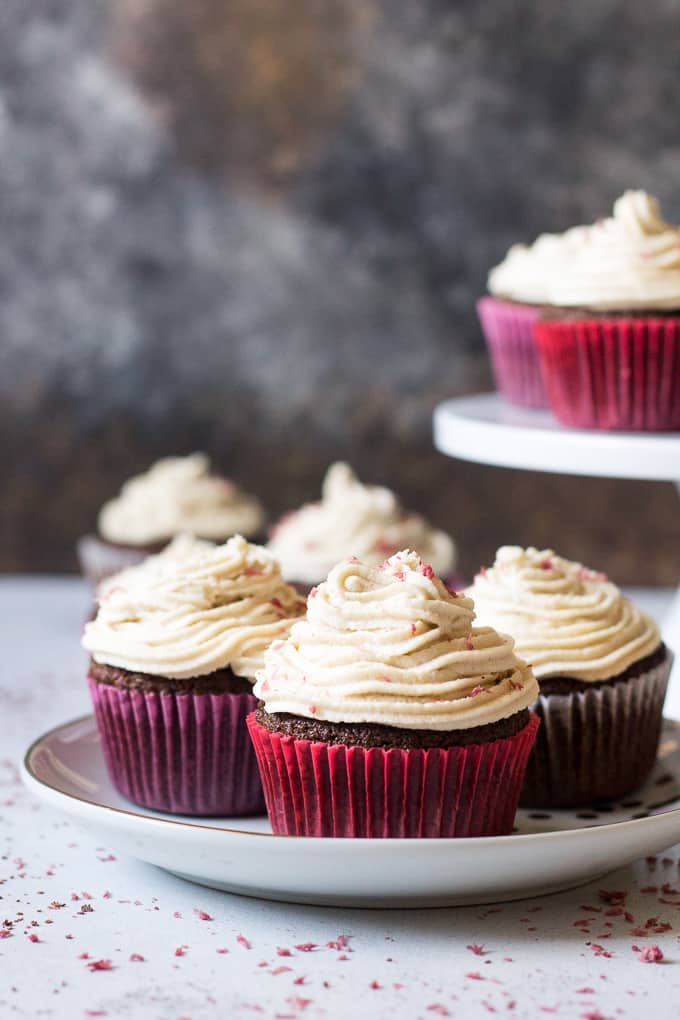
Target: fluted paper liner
(313, 788)
(596, 745)
(188, 754)
(509, 333)
(612, 373)
(99, 559)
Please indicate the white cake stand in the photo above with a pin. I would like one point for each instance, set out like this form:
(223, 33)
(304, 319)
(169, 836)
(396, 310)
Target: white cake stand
(488, 430)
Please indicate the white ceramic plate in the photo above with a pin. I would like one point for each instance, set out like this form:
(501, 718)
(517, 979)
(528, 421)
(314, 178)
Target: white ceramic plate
(549, 852)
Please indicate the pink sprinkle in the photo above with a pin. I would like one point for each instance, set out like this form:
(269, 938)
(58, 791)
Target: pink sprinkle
(386, 679)
(476, 949)
(516, 685)
(469, 642)
(585, 991)
(243, 941)
(476, 690)
(313, 709)
(280, 970)
(33, 938)
(222, 951)
(413, 628)
(99, 965)
(426, 570)
(374, 985)
(313, 592)
(83, 956)
(600, 950)
(650, 954)
(298, 1003)
(303, 980)
(306, 947)
(252, 572)
(546, 564)
(5, 933)
(136, 958)
(179, 951)
(438, 1008)
(277, 602)
(177, 914)
(594, 1014)
(202, 916)
(280, 951)
(474, 975)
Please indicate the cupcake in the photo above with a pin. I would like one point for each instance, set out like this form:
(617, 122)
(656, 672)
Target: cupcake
(176, 495)
(602, 671)
(610, 342)
(386, 713)
(174, 649)
(518, 289)
(352, 519)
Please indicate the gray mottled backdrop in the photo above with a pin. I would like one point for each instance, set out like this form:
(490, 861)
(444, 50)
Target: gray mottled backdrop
(258, 227)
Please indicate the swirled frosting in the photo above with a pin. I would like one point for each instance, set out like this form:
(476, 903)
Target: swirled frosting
(629, 261)
(178, 494)
(566, 620)
(190, 614)
(352, 519)
(392, 645)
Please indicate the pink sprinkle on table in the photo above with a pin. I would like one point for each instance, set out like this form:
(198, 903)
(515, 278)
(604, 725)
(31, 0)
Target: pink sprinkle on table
(650, 954)
(95, 965)
(136, 958)
(306, 947)
(243, 941)
(202, 915)
(476, 949)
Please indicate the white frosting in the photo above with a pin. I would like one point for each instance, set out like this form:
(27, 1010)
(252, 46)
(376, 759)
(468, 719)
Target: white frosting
(392, 645)
(628, 261)
(353, 520)
(193, 609)
(566, 620)
(176, 495)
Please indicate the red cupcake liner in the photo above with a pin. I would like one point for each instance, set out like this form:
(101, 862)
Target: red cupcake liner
(596, 745)
(313, 788)
(612, 373)
(509, 333)
(188, 754)
(99, 559)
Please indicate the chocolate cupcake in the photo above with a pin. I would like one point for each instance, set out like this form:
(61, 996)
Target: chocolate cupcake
(352, 519)
(602, 671)
(385, 713)
(176, 495)
(175, 646)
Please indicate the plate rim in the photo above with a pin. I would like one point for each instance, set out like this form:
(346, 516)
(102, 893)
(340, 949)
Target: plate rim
(32, 780)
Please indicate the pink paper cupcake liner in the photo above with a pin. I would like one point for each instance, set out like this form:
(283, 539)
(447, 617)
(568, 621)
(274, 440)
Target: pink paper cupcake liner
(612, 373)
(596, 745)
(99, 560)
(313, 788)
(509, 333)
(188, 754)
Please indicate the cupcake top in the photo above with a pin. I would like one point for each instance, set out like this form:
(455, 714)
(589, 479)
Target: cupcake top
(392, 645)
(630, 260)
(567, 620)
(352, 519)
(188, 613)
(178, 494)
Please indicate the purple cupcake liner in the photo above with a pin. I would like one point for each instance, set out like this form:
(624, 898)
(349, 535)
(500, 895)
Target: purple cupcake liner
(509, 333)
(596, 745)
(99, 559)
(187, 754)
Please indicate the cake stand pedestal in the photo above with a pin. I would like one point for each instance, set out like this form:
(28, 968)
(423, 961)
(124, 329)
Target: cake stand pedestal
(487, 430)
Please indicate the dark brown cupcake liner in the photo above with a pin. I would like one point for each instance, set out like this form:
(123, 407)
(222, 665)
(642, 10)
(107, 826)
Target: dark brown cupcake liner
(314, 788)
(187, 754)
(596, 744)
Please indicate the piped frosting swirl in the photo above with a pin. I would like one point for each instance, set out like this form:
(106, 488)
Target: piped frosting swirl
(190, 611)
(567, 620)
(352, 519)
(178, 495)
(630, 260)
(391, 645)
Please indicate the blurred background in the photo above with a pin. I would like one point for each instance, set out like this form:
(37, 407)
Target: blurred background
(258, 228)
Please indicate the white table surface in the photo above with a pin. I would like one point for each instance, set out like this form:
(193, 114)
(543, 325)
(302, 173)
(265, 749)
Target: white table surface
(413, 964)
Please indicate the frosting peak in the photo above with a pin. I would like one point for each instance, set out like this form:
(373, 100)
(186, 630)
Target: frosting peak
(353, 519)
(178, 494)
(567, 620)
(392, 645)
(629, 261)
(193, 609)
